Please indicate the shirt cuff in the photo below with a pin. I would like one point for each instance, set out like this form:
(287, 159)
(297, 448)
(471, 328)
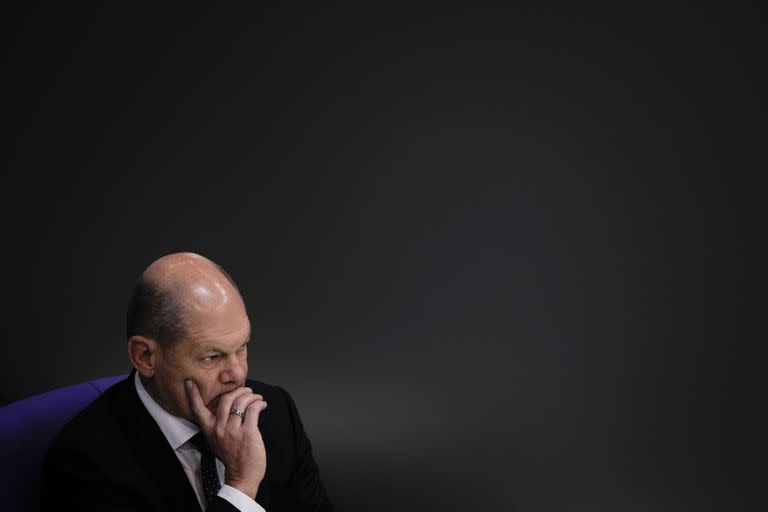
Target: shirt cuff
(239, 499)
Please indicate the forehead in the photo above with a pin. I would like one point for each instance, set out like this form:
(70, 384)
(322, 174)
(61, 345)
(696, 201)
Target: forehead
(220, 316)
(219, 338)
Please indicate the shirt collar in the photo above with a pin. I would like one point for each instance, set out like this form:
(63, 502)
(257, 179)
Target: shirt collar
(176, 430)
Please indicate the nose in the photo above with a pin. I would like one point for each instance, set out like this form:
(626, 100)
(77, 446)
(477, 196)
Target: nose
(234, 371)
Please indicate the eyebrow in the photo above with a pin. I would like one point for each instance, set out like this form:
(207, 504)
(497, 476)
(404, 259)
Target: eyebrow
(215, 348)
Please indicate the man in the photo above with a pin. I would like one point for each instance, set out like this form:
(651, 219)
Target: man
(148, 443)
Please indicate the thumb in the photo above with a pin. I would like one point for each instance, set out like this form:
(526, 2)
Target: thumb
(202, 416)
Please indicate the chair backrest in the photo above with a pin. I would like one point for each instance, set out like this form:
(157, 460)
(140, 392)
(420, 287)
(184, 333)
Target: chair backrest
(27, 428)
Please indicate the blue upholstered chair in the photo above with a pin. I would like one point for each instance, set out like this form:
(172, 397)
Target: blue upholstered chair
(27, 428)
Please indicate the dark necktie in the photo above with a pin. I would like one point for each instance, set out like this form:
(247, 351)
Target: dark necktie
(211, 484)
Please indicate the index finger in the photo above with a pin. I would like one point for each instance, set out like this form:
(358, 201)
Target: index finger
(203, 416)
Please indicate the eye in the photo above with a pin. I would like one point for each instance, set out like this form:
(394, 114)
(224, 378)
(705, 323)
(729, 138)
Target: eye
(210, 359)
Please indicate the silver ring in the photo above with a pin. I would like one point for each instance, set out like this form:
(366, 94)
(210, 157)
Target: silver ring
(238, 412)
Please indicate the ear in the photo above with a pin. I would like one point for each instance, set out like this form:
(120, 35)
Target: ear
(143, 353)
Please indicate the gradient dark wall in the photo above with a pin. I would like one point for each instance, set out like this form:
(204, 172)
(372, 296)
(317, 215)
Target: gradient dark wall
(503, 259)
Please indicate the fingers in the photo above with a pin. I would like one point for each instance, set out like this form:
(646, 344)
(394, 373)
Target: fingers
(251, 420)
(244, 404)
(240, 399)
(243, 401)
(226, 403)
(203, 416)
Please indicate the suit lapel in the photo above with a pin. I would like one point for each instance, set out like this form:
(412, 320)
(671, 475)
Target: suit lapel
(156, 463)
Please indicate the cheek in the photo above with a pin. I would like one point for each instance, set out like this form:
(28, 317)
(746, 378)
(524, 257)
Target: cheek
(209, 391)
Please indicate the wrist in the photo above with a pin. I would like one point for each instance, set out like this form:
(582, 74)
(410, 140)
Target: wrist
(249, 488)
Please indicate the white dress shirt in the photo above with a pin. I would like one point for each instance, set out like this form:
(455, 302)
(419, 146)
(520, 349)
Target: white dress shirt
(178, 432)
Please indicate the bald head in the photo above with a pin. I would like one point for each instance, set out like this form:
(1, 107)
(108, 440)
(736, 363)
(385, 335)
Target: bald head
(175, 293)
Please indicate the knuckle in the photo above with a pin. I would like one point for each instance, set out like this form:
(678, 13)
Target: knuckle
(256, 406)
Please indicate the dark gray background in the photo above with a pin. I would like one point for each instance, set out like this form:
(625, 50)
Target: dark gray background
(503, 259)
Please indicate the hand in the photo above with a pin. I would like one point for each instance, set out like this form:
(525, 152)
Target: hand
(234, 440)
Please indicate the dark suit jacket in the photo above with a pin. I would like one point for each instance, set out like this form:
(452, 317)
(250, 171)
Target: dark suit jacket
(113, 456)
